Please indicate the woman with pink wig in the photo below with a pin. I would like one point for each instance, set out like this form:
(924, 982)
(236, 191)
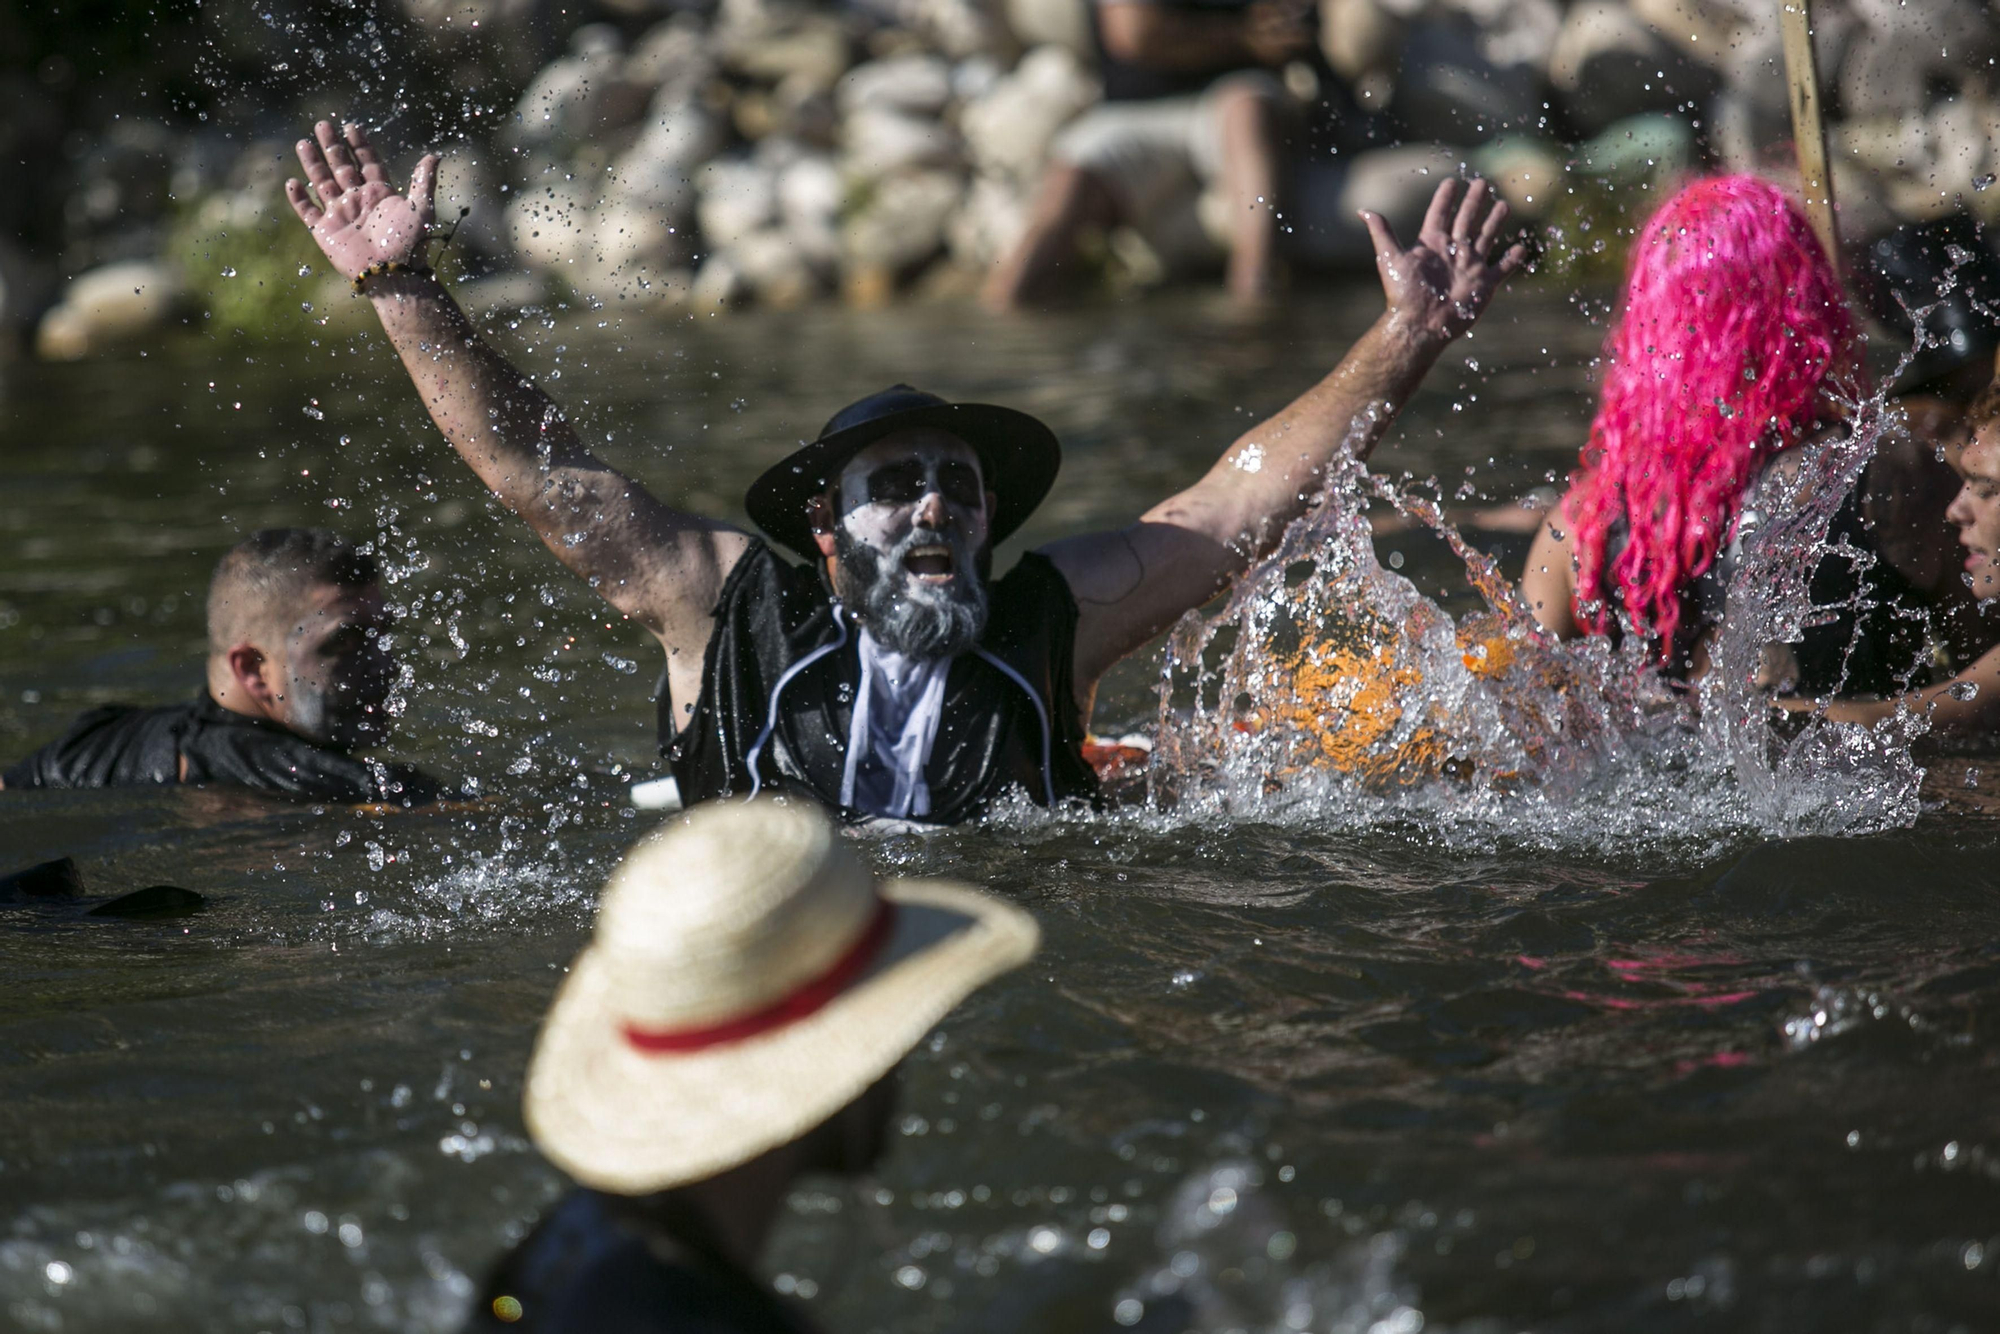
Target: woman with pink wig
(1733, 345)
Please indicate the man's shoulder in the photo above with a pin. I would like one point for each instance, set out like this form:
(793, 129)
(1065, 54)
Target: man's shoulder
(110, 745)
(221, 746)
(763, 569)
(1035, 581)
(766, 581)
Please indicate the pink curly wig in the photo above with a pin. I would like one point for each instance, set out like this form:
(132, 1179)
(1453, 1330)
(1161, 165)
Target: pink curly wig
(1732, 323)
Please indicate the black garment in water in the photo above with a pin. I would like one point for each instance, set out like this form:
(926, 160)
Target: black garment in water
(119, 745)
(1871, 636)
(781, 671)
(599, 1265)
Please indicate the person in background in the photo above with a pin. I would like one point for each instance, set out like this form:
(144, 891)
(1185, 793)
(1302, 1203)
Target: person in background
(299, 678)
(1194, 120)
(1945, 271)
(735, 1024)
(1970, 699)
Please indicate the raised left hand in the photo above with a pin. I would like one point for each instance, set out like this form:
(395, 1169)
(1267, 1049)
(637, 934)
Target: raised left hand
(360, 220)
(1439, 286)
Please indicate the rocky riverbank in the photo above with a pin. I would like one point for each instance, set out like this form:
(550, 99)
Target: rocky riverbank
(668, 156)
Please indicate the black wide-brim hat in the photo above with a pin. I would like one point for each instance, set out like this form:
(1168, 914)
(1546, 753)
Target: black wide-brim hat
(1908, 268)
(1018, 455)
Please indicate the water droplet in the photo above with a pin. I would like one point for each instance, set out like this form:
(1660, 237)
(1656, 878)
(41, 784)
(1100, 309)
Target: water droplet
(229, 271)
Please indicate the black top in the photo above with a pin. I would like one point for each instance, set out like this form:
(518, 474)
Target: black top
(1868, 636)
(1334, 121)
(1129, 81)
(780, 675)
(1872, 634)
(119, 745)
(599, 1265)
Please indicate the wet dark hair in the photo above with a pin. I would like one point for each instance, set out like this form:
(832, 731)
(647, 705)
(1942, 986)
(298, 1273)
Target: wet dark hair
(1985, 409)
(270, 572)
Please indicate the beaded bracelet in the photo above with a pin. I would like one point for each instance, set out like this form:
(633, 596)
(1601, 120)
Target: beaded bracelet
(384, 267)
(417, 266)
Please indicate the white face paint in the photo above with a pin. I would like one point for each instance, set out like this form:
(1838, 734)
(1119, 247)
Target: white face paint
(910, 476)
(913, 522)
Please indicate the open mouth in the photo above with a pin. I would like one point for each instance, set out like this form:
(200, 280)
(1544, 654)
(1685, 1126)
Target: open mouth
(932, 564)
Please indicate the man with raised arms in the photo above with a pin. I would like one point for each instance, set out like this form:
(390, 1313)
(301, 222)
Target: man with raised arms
(889, 675)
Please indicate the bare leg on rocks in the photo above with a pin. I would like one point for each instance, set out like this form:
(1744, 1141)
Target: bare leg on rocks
(1070, 201)
(1249, 126)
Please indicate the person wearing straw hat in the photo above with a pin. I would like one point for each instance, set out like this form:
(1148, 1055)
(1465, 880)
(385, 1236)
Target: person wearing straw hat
(735, 1023)
(889, 675)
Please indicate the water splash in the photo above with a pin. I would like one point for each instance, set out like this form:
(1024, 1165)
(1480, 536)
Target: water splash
(1329, 688)
(1821, 778)
(1223, 1222)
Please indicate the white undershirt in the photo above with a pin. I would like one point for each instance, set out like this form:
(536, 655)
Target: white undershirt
(896, 711)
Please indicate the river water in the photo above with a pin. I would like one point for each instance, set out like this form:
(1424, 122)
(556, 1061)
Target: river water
(1581, 1070)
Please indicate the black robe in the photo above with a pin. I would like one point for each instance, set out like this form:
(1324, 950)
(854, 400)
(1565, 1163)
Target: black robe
(781, 671)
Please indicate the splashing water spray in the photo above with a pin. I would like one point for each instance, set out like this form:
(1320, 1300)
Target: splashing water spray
(1329, 688)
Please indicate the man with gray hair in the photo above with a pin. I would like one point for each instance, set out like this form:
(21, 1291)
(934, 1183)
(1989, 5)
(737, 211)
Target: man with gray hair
(299, 677)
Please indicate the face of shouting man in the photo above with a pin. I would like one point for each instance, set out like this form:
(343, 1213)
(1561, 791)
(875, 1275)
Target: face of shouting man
(906, 526)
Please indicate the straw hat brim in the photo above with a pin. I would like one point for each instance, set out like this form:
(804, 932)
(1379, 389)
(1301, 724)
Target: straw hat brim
(630, 1122)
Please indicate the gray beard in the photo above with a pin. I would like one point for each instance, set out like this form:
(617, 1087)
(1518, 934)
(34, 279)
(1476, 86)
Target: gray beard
(915, 619)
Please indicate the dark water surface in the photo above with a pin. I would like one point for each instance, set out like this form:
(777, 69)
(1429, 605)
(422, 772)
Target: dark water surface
(1264, 1076)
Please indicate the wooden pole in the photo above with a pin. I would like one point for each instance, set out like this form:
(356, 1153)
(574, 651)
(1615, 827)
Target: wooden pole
(1808, 128)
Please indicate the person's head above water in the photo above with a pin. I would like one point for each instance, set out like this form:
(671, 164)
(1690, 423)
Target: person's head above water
(295, 634)
(903, 496)
(1732, 330)
(749, 989)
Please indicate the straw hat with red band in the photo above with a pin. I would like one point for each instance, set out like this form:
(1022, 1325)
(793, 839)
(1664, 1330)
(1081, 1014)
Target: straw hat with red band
(748, 979)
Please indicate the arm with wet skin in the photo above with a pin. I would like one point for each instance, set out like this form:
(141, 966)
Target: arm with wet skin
(660, 566)
(1135, 582)
(1944, 703)
(1548, 581)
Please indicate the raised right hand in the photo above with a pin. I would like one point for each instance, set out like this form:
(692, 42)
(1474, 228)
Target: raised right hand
(1439, 286)
(360, 220)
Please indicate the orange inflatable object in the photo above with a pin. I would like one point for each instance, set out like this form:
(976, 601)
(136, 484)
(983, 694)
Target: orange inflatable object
(1347, 705)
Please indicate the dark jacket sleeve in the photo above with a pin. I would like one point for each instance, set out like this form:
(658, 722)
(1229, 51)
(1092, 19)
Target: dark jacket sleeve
(113, 746)
(271, 759)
